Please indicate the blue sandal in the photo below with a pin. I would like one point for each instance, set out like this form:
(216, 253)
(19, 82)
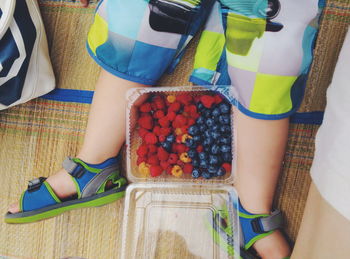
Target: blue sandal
(253, 227)
(96, 185)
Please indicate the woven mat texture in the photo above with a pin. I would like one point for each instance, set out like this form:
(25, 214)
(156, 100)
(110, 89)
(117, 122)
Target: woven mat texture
(36, 137)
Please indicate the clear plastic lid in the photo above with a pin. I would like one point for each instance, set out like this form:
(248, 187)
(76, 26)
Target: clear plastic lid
(138, 96)
(180, 221)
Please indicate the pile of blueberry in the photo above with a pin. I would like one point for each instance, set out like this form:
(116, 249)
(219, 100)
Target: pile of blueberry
(210, 145)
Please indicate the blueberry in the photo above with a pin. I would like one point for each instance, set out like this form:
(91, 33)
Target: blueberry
(195, 162)
(193, 130)
(225, 140)
(227, 157)
(210, 122)
(215, 134)
(200, 120)
(170, 138)
(166, 145)
(196, 173)
(215, 127)
(207, 142)
(213, 160)
(225, 149)
(206, 175)
(220, 172)
(192, 153)
(215, 149)
(203, 156)
(202, 128)
(224, 119)
(225, 129)
(224, 108)
(212, 169)
(216, 112)
(200, 106)
(191, 143)
(207, 113)
(207, 134)
(207, 149)
(203, 163)
(197, 138)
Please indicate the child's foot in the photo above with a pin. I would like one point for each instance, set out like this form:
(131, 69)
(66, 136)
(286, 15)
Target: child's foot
(62, 185)
(273, 246)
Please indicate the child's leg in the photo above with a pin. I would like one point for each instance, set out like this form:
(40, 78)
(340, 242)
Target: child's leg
(105, 133)
(260, 150)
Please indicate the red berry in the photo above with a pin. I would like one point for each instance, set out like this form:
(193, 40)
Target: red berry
(164, 164)
(164, 122)
(156, 170)
(146, 122)
(169, 170)
(199, 148)
(174, 107)
(181, 148)
(218, 99)
(207, 101)
(179, 139)
(191, 122)
(165, 131)
(159, 114)
(184, 98)
(146, 107)
(153, 160)
(180, 163)
(162, 154)
(142, 132)
(171, 115)
(156, 130)
(188, 168)
(162, 138)
(179, 121)
(173, 158)
(151, 138)
(142, 151)
(152, 148)
(227, 167)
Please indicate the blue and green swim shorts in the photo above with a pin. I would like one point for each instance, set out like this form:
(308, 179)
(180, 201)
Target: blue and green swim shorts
(264, 48)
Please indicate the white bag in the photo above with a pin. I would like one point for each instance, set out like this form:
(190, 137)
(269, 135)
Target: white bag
(25, 67)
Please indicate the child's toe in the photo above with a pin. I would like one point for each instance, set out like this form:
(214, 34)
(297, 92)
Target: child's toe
(14, 208)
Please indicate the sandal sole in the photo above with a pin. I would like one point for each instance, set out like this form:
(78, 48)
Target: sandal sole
(57, 209)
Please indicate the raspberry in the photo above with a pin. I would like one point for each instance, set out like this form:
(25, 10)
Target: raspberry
(171, 115)
(218, 99)
(180, 163)
(156, 170)
(188, 168)
(169, 170)
(164, 122)
(165, 131)
(162, 154)
(200, 149)
(142, 132)
(185, 99)
(151, 138)
(227, 167)
(162, 138)
(174, 107)
(146, 107)
(173, 158)
(153, 160)
(156, 130)
(207, 101)
(146, 122)
(142, 151)
(164, 164)
(181, 148)
(191, 121)
(159, 114)
(152, 149)
(179, 121)
(159, 103)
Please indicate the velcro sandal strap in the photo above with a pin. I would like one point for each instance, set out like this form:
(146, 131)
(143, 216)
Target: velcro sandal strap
(73, 168)
(257, 226)
(35, 184)
(266, 224)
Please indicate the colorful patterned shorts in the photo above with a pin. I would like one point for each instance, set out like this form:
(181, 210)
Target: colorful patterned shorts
(261, 47)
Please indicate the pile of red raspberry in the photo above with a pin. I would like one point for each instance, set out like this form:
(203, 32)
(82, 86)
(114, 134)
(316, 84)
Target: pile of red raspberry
(164, 121)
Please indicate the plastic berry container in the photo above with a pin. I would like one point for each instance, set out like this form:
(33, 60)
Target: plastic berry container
(180, 221)
(143, 118)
